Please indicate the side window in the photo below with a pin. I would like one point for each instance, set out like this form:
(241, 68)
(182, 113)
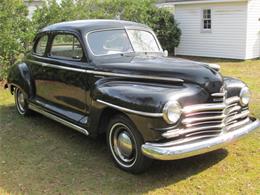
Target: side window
(66, 46)
(41, 45)
(206, 20)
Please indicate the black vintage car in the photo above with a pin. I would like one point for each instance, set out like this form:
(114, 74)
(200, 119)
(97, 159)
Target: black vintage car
(112, 77)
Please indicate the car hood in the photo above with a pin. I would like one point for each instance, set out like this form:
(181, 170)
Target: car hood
(156, 66)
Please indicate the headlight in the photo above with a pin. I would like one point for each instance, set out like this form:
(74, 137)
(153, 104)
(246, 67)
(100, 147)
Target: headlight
(172, 112)
(245, 96)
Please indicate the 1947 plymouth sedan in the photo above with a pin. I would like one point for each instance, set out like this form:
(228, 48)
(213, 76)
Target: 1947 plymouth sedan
(112, 77)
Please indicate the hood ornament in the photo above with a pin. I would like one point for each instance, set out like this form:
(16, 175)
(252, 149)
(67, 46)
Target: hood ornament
(223, 90)
(214, 66)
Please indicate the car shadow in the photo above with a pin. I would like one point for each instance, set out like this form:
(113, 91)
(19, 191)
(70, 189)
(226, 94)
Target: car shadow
(38, 156)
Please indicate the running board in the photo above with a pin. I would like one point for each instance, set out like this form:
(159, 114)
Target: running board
(58, 119)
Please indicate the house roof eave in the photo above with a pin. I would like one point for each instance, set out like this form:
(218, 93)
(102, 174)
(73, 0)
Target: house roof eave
(179, 2)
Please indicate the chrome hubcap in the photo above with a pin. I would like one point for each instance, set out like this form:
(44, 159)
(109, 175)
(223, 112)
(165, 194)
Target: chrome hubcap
(20, 100)
(125, 145)
(122, 145)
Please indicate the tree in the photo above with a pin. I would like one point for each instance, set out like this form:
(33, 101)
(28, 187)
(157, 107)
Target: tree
(165, 27)
(143, 11)
(52, 12)
(15, 33)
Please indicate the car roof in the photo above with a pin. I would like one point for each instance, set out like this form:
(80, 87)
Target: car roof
(90, 25)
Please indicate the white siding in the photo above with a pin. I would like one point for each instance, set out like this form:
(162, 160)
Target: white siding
(31, 9)
(253, 29)
(227, 38)
(32, 6)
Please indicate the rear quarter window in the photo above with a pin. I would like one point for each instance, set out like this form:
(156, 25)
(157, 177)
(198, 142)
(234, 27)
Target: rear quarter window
(41, 45)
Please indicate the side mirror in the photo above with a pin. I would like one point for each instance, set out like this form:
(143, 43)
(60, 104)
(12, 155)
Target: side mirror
(165, 53)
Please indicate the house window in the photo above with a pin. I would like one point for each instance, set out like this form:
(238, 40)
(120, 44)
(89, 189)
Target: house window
(206, 21)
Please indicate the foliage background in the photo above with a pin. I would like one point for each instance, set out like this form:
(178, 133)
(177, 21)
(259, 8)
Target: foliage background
(17, 31)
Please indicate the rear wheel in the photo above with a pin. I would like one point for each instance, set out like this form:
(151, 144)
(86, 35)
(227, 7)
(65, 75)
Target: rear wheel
(125, 142)
(21, 102)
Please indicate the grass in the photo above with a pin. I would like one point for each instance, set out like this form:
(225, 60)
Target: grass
(40, 156)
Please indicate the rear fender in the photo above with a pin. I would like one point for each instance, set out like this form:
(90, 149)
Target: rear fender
(20, 76)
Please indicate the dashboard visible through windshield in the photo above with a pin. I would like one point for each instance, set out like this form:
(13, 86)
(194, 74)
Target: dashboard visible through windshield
(108, 42)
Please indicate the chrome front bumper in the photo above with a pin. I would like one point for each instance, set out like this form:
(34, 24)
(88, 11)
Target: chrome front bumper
(161, 152)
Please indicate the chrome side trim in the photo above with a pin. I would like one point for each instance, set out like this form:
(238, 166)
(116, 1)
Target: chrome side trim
(135, 76)
(149, 114)
(172, 152)
(57, 66)
(108, 73)
(58, 119)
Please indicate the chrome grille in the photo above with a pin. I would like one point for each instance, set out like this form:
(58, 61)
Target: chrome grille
(204, 121)
(218, 97)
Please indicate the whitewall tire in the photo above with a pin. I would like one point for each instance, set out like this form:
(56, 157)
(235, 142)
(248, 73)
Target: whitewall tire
(21, 102)
(124, 142)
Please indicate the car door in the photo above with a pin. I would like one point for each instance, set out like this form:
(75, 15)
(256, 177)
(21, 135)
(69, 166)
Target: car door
(61, 84)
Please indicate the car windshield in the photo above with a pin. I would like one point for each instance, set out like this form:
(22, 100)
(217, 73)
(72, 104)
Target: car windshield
(121, 41)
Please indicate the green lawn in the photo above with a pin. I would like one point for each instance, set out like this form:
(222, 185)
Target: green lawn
(39, 156)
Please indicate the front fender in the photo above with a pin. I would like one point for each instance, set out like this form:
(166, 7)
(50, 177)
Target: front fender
(151, 98)
(20, 76)
(148, 99)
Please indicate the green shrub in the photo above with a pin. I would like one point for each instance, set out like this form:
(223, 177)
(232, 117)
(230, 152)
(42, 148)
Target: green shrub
(15, 33)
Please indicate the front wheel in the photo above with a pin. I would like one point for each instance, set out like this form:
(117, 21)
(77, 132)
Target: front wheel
(124, 142)
(21, 102)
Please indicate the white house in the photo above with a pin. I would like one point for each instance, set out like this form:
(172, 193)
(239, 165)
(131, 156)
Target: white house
(32, 6)
(218, 28)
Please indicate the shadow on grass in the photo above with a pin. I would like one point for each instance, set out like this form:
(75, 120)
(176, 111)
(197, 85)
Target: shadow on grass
(38, 155)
